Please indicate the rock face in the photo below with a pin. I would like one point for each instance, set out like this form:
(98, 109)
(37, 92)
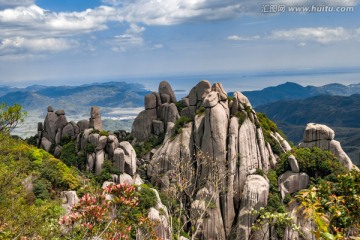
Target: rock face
(95, 118)
(291, 182)
(217, 153)
(321, 136)
(159, 110)
(254, 196)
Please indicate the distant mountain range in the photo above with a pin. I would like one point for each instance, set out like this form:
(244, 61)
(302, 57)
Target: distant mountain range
(342, 113)
(122, 94)
(110, 94)
(290, 105)
(293, 91)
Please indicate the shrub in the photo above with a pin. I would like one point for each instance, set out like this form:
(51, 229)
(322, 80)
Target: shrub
(148, 145)
(230, 98)
(11, 117)
(241, 116)
(147, 197)
(70, 157)
(65, 140)
(104, 133)
(90, 148)
(180, 123)
(314, 161)
(42, 189)
(107, 169)
(180, 105)
(200, 111)
(260, 172)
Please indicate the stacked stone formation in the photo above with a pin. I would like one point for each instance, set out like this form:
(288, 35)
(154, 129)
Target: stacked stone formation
(160, 109)
(217, 132)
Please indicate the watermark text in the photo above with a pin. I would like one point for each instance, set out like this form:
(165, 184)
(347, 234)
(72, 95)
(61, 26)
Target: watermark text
(281, 8)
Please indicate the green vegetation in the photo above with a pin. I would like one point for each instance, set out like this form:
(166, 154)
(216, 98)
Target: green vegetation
(70, 157)
(333, 206)
(27, 211)
(267, 127)
(180, 123)
(105, 175)
(200, 111)
(241, 116)
(180, 106)
(90, 148)
(275, 206)
(11, 116)
(121, 217)
(314, 161)
(145, 147)
(230, 98)
(147, 197)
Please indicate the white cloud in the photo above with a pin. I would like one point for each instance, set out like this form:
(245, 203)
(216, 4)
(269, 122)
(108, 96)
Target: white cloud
(132, 38)
(171, 12)
(13, 3)
(321, 34)
(316, 2)
(21, 45)
(243, 38)
(35, 20)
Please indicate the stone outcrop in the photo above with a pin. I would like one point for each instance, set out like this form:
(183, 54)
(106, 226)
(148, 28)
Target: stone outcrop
(321, 136)
(159, 110)
(254, 196)
(218, 152)
(291, 182)
(95, 118)
(56, 128)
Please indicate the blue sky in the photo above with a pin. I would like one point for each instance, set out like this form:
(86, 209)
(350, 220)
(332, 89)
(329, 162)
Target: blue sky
(57, 42)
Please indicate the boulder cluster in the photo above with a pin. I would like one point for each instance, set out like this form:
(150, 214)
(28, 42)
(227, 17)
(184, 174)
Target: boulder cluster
(214, 149)
(294, 180)
(222, 134)
(321, 136)
(56, 128)
(160, 109)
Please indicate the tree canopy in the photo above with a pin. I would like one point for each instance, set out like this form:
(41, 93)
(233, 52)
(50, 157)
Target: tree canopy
(11, 116)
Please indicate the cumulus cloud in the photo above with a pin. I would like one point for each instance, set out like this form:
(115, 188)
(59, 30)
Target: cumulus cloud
(33, 19)
(13, 3)
(171, 12)
(321, 34)
(44, 44)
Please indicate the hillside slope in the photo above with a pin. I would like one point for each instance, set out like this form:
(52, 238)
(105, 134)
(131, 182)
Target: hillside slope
(338, 112)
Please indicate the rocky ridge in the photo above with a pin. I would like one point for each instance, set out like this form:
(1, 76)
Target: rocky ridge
(223, 135)
(213, 143)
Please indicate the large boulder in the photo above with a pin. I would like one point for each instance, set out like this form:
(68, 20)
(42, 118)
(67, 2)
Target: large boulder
(217, 87)
(291, 182)
(199, 92)
(83, 124)
(316, 132)
(211, 100)
(150, 101)
(50, 126)
(99, 161)
(68, 131)
(168, 113)
(95, 118)
(129, 158)
(142, 125)
(321, 136)
(254, 196)
(165, 88)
